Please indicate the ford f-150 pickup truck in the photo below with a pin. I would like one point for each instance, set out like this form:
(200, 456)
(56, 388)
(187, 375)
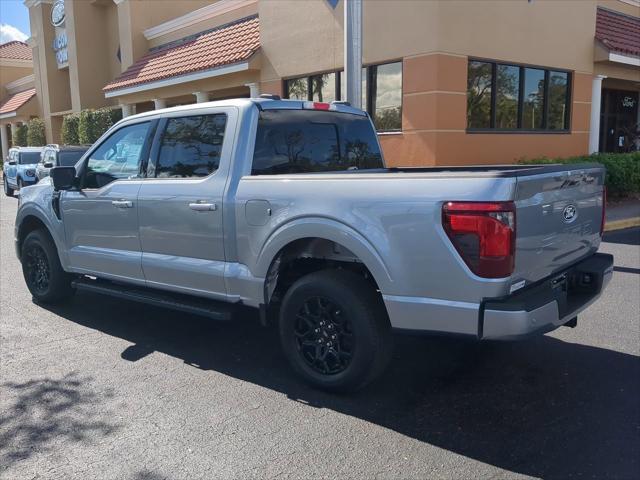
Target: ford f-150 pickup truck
(287, 206)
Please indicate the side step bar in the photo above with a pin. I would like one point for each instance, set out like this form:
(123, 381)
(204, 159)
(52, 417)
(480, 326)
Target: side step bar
(174, 301)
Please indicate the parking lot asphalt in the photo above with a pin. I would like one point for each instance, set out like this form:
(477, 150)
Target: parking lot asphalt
(107, 389)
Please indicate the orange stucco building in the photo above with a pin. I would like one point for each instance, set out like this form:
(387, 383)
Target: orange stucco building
(446, 82)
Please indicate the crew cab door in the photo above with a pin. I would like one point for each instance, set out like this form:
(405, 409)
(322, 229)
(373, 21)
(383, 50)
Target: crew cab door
(180, 202)
(101, 218)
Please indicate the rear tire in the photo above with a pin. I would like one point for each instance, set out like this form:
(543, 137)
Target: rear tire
(334, 330)
(43, 274)
(8, 191)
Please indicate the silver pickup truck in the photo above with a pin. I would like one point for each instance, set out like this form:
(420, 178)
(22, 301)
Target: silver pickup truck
(287, 206)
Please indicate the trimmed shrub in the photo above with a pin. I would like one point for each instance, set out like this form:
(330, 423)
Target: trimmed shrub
(93, 123)
(70, 129)
(20, 137)
(35, 133)
(623, 170)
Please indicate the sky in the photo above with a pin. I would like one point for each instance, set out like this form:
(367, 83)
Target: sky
(14, 21)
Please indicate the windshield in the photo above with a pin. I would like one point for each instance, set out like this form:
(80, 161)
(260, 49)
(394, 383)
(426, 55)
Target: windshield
(69, 159)
(306, 141)
(29, 158)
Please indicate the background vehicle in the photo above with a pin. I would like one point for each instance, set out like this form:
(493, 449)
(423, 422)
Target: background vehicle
(286, 206)
(20, 168)
(58, 156)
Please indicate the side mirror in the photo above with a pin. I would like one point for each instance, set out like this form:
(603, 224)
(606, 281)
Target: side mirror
(47, 165)
(63, 178)
(12, 162)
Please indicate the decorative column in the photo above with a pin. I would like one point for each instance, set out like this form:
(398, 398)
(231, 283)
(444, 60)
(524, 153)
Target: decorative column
(5, 141)
(127, 109)
(254, 89)
(201, 97)
(14, 131)
(594, 126)
(159, 103)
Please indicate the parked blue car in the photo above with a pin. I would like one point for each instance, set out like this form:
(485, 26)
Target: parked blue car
(20, 168)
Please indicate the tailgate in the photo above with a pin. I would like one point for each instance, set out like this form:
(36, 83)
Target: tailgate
(558, 218)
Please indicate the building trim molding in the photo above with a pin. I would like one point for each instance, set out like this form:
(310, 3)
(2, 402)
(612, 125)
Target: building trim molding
(214, 72)
(14, 87)
(626, 59)
(205, 13)
(35, 3)
(8, 115)
(15, 62)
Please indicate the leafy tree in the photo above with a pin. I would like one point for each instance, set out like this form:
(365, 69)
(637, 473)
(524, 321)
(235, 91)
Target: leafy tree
(35, 133)
(20, 137)
(70, 125)
(93, 123)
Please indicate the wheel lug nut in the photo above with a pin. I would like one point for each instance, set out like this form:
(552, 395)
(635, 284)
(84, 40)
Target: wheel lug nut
(317, 330)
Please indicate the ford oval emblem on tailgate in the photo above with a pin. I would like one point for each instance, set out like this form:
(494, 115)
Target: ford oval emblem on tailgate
(570, 213)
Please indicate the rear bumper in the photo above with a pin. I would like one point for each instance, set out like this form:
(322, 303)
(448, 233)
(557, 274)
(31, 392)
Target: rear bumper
(547, 305)
(535, 309)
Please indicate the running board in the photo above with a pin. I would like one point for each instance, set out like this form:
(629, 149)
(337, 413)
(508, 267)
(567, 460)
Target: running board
(175, 301)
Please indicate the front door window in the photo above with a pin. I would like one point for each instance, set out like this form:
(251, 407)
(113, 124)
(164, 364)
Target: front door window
(619, 121)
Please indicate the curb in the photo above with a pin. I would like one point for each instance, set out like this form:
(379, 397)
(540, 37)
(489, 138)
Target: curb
(622, 224)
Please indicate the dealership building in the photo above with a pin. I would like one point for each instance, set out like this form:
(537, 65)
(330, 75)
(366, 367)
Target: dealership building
(446, 82)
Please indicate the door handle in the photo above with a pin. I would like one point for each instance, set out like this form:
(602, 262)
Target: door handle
(122, 203)
(203, 207)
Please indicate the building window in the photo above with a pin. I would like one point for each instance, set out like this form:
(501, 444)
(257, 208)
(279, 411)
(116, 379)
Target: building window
(381, 92)
(507, 97)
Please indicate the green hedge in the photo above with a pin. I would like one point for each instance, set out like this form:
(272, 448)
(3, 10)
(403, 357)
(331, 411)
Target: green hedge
(623, 170)
(20, 137)
(35, 133)
(70, 125)
(93, 123)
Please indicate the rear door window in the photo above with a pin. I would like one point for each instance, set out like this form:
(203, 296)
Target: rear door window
(191, 146)
(304, 141)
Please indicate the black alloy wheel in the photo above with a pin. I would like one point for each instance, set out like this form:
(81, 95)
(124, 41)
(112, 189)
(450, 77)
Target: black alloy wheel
(324, 336)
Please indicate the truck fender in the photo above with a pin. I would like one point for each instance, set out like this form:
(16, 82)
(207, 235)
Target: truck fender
(327, 229)
(33, 209)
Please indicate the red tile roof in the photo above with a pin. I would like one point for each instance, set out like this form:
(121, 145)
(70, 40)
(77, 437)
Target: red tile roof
(618, 32)
(15, 101)
(15, 50)
(224, 45)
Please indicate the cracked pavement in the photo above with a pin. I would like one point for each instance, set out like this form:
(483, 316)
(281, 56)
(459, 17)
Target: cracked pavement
(101, 388)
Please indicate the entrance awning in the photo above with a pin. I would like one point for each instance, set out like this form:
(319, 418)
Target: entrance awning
(9, 107)
(219, 51)
(620, 36)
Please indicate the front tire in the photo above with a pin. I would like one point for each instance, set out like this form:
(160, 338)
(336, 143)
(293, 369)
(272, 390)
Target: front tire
(8, 191)
(334, 330)
(43, 274)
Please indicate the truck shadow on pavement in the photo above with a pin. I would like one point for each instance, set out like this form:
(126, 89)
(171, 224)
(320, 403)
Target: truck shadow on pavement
(45, 412)
(543, 407)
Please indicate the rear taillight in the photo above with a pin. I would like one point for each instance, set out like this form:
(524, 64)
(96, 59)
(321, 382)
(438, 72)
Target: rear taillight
(484, 234)
(604, 210)
(318, 106)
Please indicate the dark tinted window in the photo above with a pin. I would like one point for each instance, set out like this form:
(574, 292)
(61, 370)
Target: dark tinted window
(29, 158)
(479, 95)
(69, 159)
(507, 96)
(386, 106)
(191, 146)
(301, 141)
(558, 95)
(323, 87)
(533, 108)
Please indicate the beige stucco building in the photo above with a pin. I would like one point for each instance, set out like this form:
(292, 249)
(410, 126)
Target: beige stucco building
(18, 101)
(446, 82)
